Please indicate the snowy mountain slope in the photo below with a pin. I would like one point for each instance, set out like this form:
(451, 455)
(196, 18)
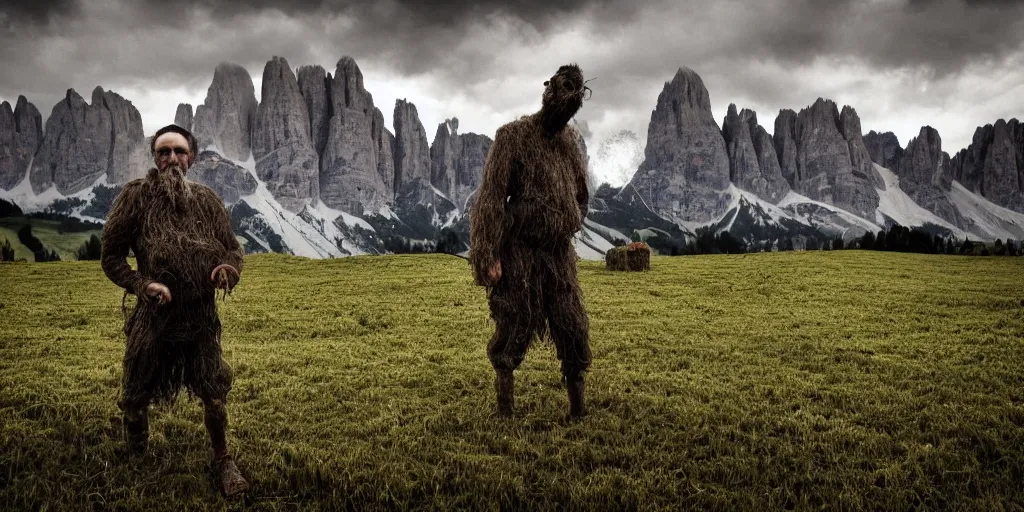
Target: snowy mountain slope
(776, 213)
(258, 217)
(615, 214)
(819, 213)
(749, 218)
(991, 221)
(758, 222)
(615, 217)
(895, 204)
(299, 235)
(347, 218)
(609, 234)
(28, 201)
(590, 245)
(313, 232)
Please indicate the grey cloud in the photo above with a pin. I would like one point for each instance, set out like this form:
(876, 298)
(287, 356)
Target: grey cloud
(940, 37)
(754, 54)
(55, 45)
(584, 129)
(428, 14)
(35, 12)
(944, 36)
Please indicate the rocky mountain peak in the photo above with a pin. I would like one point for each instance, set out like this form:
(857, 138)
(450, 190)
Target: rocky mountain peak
(860, 158)
(771, 185)
(923, 161)
(753, 164)
(744, 169)
(227, 116)
(97, 96)
(183, 116)
(129, 156)
(849, 123)
(786, 140)
(993, 164)
(6, 116)
(315, 85)
(286, 159)
(412, 154)
(924, 173)
(443, 154)
(884, 148)
(824, 158)
(469, 166)
(457, 161)
(76, 145)
(686, 164)
(688, 87)
(351, 176)
(21, 131)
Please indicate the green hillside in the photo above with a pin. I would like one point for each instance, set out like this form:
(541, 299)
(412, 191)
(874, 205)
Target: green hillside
(47, 231)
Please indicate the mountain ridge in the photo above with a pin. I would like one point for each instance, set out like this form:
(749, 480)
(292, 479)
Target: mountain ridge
(312, 170)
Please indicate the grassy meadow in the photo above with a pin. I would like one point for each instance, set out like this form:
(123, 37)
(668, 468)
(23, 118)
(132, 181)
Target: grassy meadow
(842, 380)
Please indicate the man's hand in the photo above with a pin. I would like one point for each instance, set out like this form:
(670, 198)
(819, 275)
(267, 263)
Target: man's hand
(158, 293)
(494, 273)
(219, 276)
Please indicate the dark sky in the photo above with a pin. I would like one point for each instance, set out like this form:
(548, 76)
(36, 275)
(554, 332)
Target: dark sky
(902, 64)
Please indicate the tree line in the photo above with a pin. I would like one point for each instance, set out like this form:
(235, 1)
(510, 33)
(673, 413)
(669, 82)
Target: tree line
(895, 239)
(89, 250)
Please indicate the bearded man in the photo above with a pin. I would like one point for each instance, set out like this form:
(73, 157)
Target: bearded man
(185, 249)
(531, 202)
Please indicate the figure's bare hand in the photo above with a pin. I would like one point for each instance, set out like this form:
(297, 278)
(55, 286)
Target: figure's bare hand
(494, 273)
(219, 276)
(158, 293)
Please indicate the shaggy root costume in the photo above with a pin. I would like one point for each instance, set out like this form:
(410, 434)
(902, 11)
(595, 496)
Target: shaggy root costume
(532, 200)
(179, 232)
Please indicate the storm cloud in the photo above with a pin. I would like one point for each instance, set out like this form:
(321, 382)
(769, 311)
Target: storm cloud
(902, 64)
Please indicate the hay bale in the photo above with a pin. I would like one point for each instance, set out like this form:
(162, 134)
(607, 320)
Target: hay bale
(633, 257)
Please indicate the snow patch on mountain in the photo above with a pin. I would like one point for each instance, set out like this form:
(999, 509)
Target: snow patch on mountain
(894, 203)
(386, 212)
(605, 232)
(300, 237)
(23, 196)
(590, 245)
(350, 220)
(991, 221)
(317, 237)
(450, 219)
(439, 193)
(792, 201)
(775, 212)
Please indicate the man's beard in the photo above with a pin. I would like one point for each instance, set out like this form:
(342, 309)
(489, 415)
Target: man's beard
(172, 185)
(558, 110)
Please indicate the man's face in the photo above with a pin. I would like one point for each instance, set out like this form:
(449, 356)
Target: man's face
(563, 92)
(171, 152)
